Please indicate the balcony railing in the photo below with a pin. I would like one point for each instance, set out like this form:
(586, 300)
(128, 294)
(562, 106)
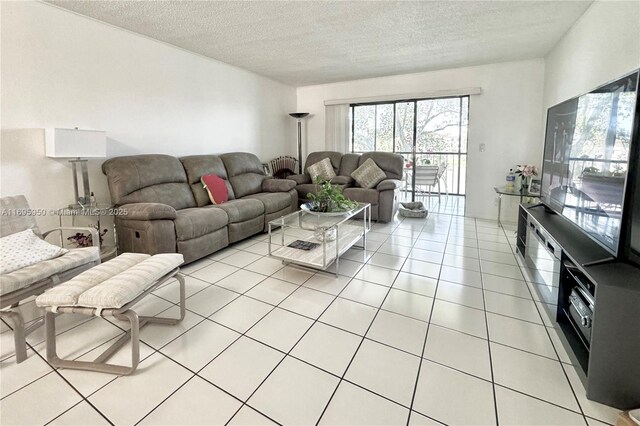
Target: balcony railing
(454, 176)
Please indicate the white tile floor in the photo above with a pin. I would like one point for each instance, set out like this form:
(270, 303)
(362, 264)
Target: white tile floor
(445, 204)
(434, 324)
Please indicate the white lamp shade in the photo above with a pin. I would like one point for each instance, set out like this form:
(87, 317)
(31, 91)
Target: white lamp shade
(75, 143)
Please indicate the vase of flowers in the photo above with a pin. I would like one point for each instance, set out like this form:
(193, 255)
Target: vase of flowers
(81, 239)
(526, 173)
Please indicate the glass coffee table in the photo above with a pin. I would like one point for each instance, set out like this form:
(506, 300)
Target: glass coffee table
(317, 240)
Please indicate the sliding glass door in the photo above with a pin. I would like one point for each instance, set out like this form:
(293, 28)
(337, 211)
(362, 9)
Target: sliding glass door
(426, 132)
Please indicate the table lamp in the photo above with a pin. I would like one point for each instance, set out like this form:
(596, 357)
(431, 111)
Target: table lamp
(299, 116)
(78, 145)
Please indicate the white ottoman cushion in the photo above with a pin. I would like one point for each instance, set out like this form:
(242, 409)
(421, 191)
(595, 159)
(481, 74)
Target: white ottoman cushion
(114, 283)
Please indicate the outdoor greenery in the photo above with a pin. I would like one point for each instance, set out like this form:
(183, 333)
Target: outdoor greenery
(440, 129)
(329, 198)
(438, 123)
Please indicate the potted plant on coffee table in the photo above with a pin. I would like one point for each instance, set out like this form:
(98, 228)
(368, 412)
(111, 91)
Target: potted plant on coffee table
(328, 199)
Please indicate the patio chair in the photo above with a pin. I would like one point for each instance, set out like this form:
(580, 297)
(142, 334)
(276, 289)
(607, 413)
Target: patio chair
(428, 176)
(442, 177)
(32, 280)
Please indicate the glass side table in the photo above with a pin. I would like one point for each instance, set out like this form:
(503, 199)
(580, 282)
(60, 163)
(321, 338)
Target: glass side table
(502, 191)
(95, 214)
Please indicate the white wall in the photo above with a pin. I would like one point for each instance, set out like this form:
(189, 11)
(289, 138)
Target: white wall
(63, 70)
(602, 45)
(507, 117)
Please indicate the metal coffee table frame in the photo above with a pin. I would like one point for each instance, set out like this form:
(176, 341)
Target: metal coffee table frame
(326, 225)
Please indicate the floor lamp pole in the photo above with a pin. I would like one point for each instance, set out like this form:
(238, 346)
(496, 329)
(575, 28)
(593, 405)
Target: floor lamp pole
(299, 147)
(299, 116)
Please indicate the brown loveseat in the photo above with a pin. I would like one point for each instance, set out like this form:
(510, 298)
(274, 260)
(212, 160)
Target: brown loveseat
(383, 198)
(169, 211)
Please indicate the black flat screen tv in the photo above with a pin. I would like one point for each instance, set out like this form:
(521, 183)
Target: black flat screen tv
(590, 167)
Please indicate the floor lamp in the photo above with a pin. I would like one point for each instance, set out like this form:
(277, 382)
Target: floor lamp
(299, 116)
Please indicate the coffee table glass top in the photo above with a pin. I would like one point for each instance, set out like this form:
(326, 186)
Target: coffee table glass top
(319, 240)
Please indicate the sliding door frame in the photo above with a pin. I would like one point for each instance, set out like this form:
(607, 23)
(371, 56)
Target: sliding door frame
(413, 153)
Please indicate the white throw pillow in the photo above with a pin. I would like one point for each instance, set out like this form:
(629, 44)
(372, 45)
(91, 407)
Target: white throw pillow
(24, 249)
(322, 169)
(368, 175)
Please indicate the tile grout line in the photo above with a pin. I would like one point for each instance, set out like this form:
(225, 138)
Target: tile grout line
(342, 377)
(196, 373)
(83, 398)
(486, 324)
(291, 349)
(351, 278)
(158, 350)
(424, 343)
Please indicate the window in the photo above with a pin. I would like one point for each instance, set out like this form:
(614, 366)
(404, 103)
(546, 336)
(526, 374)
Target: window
(423, 131)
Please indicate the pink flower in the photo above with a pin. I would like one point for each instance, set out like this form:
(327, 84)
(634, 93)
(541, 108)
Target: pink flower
(527, 170)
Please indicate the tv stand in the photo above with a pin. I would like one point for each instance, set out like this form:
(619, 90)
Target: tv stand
(594, 299)
(600, 262)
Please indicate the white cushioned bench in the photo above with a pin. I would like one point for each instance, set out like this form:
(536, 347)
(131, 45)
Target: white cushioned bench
(111, 289)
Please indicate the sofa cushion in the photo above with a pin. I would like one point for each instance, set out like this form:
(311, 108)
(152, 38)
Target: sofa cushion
(216, 188)
(67, 294)
(245, 173)
(322, 169)
(348, 164)
(241, 210)
(305, 189)
(24, 249)
(197, 166)
(195, 222)
(368, 175)
(391, 164)
(342, 180)
(333, 156)
(114, 283)
(277, 185)
(117, 291)
(151, 178)
(362, 195)
(32, 274)
(273, 201)
(300, 179)
(148, 211)
(389, 184)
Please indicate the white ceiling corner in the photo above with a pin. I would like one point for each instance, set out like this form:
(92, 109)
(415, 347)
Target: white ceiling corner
(313, 42)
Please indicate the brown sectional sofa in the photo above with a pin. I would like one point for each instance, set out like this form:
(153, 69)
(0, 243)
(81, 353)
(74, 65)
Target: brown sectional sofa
(169, 211)
(383, 198)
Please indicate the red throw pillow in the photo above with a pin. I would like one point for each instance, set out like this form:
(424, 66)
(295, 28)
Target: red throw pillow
(216, 187)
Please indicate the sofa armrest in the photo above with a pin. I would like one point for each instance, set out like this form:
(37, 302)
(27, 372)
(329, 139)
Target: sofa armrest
(342, 180)
(148, 211)
(278, 185)
(300, 179)
(389, 184)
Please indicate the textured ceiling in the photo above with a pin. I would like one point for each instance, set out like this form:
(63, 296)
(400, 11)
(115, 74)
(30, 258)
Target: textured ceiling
(312, 42)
